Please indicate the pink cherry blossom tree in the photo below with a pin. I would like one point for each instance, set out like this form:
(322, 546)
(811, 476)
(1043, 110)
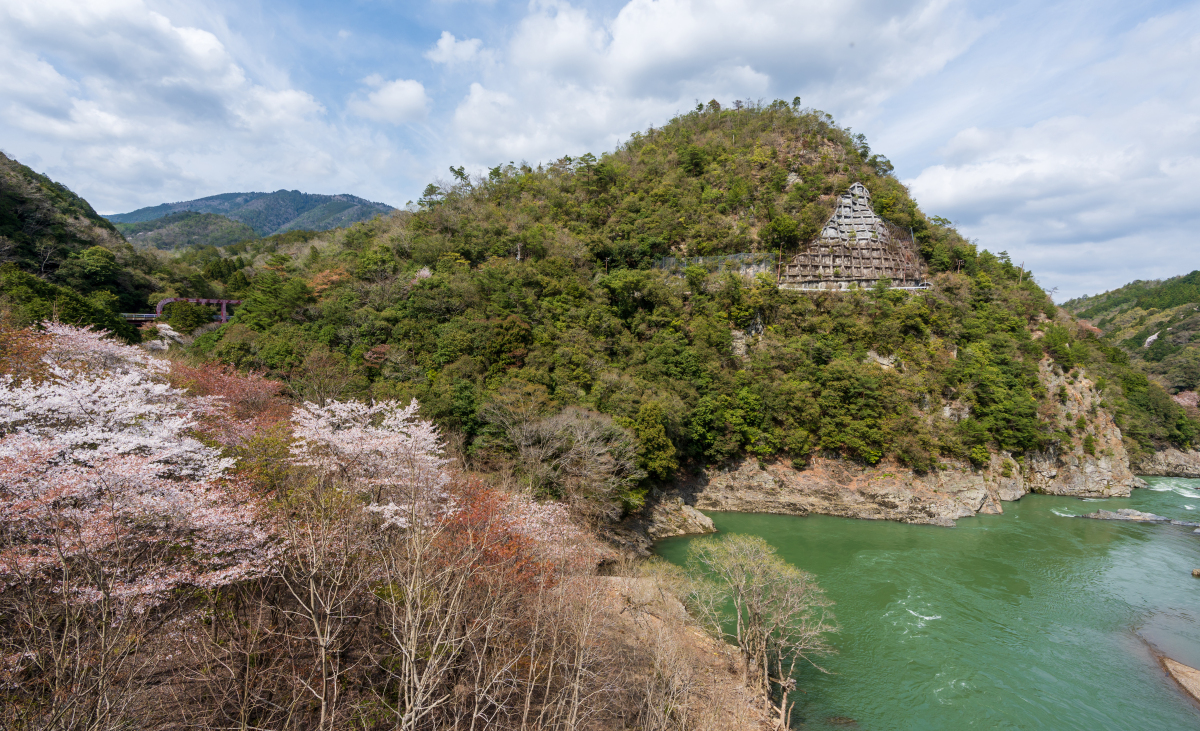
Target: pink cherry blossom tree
(109, 503)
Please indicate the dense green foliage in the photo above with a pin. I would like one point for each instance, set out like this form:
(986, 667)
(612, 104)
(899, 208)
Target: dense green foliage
(187, 228)
(1143, 295)
(51, 233)
(185, 317)
(28, 300)
(543, 276)
(34, 208)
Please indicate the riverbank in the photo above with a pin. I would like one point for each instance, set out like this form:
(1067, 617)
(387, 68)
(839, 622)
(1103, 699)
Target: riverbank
(880, 492)
(1026, 620)
(1092, 463)
(1169, 463)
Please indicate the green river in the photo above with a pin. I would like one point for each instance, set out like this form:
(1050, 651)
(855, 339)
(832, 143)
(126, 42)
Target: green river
(1027, 620)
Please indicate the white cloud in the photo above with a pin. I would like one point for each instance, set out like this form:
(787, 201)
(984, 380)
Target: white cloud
(579, 81)
(131, 109)
(394, 102)
(1095, 199)
(451, 51)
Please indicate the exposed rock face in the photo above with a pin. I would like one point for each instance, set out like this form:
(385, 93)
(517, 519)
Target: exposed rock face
(889, 491)
(837, 487)
(1187, 677)
(671, 516)
(1169, 463)
(161, 339)
(1074, 472)
(661, 646)
(665, 516)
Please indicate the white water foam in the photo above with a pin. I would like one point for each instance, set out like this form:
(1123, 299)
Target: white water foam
(1061, 514)
(903, 623)
(1175, 488)
(923, 617)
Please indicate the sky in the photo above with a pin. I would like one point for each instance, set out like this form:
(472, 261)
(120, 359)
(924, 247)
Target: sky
(1067, 134)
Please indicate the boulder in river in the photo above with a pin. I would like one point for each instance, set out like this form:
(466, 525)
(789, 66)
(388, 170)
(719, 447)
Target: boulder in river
(1187, 677)
(1136, 516)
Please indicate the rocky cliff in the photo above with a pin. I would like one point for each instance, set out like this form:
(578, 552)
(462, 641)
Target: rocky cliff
(1169, 463)
(1091, 463)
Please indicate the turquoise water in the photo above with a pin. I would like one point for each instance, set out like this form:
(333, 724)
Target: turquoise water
(1027, 620)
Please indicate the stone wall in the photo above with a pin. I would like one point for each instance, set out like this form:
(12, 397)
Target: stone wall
(855, 248)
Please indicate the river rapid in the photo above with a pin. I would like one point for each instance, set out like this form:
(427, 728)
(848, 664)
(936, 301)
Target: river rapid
(1026, 620)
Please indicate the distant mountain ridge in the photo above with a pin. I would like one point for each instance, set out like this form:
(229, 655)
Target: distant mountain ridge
(187, 228)
(1156, 322)
(270, 213)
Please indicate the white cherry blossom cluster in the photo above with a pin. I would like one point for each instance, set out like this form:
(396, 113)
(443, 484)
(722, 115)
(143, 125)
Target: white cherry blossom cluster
(145, 534)
(381, 449)
(98, 471)
(104, 399)
(550, 526)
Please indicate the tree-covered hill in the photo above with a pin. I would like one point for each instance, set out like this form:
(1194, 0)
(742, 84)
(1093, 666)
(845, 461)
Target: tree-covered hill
(269, 213)
(534, 289)
(1157, 323)
(53, 234)
(42, 222)
(535, 286)
(62, 260)
(187, 228)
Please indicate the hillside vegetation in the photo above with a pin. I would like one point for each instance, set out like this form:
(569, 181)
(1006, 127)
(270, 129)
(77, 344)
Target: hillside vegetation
(187, 228)
(60, 259)
(1156, 324)
(531, 289)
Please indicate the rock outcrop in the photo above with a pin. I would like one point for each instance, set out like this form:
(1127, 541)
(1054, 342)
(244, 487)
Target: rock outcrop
(838, 487)
(665, 516)
(662, 649)
(1187, 677)
(162, 337)
(1104, 472)
(671, 516)
(1136, 516)
(1169, 463)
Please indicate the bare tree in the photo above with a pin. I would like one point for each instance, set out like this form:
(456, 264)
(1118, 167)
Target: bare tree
(781, 617)
(322, 377)
(577, 455)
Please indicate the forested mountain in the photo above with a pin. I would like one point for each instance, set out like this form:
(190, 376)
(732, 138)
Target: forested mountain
(1156, 322)
(42, 222)
(537, 285)
(187, 228)
(269, 213)
(63, 261)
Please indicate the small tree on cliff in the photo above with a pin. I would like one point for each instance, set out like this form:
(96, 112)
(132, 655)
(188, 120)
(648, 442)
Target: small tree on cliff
(781, 617)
